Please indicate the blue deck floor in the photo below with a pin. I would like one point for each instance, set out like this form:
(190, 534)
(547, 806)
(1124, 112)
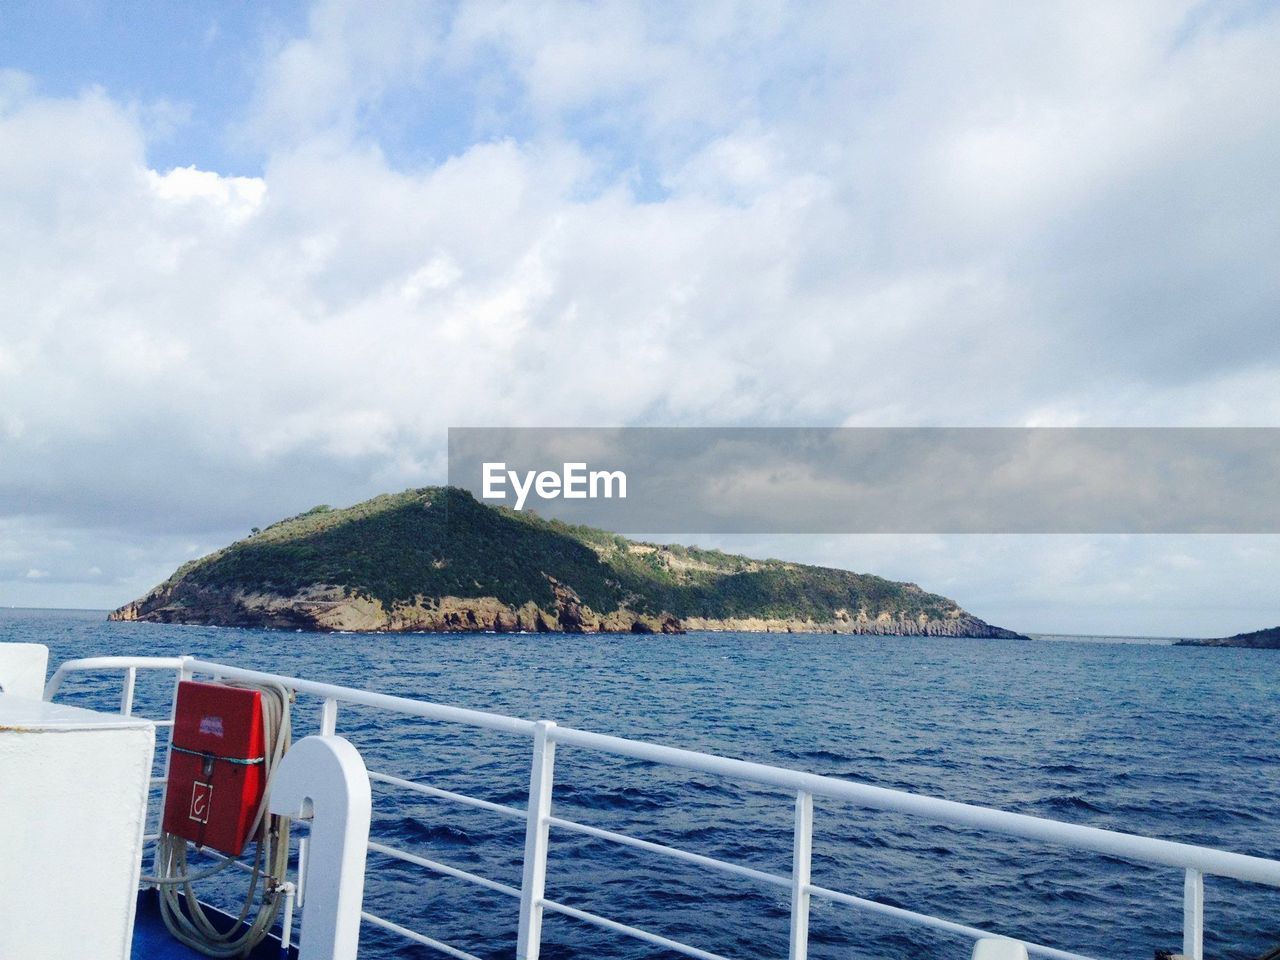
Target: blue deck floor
(152, 940)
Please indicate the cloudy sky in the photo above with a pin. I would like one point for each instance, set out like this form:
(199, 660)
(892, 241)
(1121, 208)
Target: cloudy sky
(255, 257)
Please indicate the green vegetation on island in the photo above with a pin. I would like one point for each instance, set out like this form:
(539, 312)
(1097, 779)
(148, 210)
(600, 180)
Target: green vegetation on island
(437, 559)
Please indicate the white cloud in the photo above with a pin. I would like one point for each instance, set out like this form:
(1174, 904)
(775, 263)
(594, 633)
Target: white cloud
(744, 214)
(236, 198)
(320, 81)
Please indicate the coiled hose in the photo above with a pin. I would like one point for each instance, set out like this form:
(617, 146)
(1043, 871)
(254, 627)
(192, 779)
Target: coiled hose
(185, 917)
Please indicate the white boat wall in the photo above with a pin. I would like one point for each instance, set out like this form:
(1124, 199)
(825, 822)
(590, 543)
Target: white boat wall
(72, 782)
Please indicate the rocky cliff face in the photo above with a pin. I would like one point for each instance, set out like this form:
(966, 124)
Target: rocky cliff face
(328, 608)
(437, 560)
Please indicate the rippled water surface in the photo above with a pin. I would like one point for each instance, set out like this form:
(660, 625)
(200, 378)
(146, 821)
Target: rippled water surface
(1174, 742)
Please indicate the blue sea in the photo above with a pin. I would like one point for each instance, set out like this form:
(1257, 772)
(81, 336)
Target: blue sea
(1149, 738)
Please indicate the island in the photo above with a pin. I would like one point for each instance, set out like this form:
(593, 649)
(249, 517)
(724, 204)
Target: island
(1268, 639)
(437, 559)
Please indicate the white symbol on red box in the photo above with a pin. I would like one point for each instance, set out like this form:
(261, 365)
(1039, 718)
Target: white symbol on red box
(201, 800)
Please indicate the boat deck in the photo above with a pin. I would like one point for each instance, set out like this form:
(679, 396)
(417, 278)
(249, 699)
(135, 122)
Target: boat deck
(152, 940)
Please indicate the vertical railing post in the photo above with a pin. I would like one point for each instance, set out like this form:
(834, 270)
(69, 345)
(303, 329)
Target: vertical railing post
(184, 673)
(302, 873)
(1193, 916)
(801, 860)
(329, 717)
(126, 695)
(286, 924)
(537, 834)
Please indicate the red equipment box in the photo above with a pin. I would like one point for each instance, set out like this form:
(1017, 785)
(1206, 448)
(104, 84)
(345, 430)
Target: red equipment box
(215, 765)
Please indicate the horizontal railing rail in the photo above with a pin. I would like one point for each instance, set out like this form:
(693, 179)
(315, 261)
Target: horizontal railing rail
(1127, 846)
(1196, 862)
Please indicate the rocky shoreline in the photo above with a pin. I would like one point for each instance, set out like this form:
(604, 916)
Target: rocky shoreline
(329, 609)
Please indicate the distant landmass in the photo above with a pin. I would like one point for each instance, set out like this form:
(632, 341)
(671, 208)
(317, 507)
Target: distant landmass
(1268, 639)
(437, 559)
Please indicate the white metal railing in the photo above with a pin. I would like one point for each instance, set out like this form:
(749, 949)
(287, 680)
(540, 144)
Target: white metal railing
(1196, 862)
